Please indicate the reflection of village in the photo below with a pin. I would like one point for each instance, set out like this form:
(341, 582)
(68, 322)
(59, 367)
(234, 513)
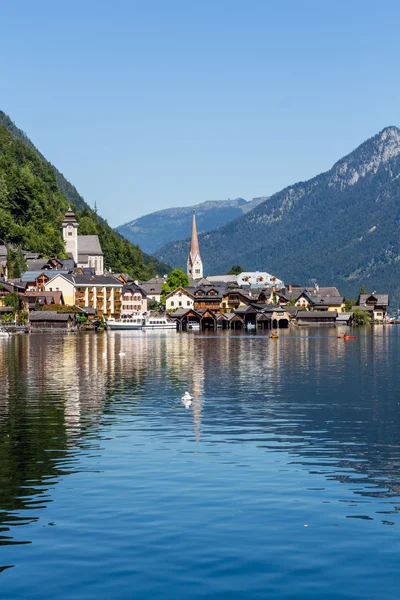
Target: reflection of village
(258, 387)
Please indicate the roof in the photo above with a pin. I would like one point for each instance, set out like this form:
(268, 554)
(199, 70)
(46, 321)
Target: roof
(152, 287)
(380, 298)
(87, 280)
(70, 217)
(133, 287)
(328, 300)
(49, 315)
(344, 316)
(89, 244)
(32, 275)
(222, 278)
(180, 290)
(317, 314)
(57, 296)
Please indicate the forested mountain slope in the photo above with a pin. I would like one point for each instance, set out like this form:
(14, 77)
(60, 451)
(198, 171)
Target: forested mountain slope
(156, 229)
(339, 228)
(34, 197)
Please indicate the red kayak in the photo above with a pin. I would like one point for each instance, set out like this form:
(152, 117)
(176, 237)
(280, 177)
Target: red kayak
(349, 337)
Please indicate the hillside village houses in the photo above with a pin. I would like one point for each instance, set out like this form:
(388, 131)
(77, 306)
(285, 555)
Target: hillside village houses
(251, 299)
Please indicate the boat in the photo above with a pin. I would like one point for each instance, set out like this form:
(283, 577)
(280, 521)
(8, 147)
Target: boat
(349, 337)
(125, 323)
(158, 323)
(274, 336)
(193, 326)
(4, 332)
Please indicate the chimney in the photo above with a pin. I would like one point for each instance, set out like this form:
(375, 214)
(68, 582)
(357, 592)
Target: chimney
(289, 287)
(316, 288)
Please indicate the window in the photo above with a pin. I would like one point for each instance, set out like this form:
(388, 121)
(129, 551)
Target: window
(172, 303)
(197, 270)
(180, 303)
(188, 303)
(70, 233)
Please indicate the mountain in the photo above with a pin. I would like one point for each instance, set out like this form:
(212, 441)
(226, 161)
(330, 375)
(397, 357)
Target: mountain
(340, 228)
(34, 196)
(156, 229)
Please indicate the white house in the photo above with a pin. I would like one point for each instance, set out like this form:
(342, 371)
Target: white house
(259, 279)
(179, 298)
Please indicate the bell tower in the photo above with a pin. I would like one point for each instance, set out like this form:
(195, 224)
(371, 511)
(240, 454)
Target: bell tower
(70, 234)
(194, 262)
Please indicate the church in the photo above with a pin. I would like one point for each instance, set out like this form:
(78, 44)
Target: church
(194, 262)
(84, 249)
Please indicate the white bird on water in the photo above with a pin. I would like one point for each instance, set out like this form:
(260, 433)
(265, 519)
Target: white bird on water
(122, 354)
(187, 400)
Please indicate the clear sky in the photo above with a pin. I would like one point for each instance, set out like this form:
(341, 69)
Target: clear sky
(152, 104)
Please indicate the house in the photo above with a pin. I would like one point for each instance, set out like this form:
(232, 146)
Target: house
(304, 300)
(334, 303)
(179, 298)
(44, 319)
(208, 298)
(32, 300)
(134, 300)
(376, 304)
(153, 288)
(316, 317)
(259, 279)
(102, 292)
(85, 250)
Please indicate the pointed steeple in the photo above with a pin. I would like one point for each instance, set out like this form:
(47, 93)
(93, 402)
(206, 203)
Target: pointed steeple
(194, 244)
(194, 262)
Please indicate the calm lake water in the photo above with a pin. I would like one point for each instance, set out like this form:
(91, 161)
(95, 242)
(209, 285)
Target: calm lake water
(281, 481)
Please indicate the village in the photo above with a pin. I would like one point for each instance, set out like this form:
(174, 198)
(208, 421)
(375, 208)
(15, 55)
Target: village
(78, 292)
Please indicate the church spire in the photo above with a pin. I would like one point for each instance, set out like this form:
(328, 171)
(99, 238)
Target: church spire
(194, 244)
(194, 262)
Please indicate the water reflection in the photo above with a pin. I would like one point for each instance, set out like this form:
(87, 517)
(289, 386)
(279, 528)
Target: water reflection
(331, 407)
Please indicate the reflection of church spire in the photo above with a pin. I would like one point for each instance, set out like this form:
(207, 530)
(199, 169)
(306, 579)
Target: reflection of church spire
(194, 262)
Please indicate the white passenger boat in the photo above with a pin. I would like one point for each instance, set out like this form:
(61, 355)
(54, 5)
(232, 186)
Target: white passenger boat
(126, 323)
(158, 323)
(4, 333)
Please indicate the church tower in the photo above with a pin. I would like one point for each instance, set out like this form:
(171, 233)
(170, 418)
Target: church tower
(70, 234)
(194, 262)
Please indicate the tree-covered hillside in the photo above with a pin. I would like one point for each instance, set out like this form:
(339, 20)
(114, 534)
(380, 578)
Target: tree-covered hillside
(33, 200)
(340, 228)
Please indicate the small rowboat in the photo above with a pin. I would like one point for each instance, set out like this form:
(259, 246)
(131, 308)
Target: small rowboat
(349, 337)
(274, 336)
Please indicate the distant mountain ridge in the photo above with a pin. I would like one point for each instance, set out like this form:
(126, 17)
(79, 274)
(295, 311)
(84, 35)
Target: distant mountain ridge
(340, 228)
(154, 230)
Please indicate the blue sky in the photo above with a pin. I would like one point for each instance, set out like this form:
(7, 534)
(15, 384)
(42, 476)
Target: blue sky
(151, 104)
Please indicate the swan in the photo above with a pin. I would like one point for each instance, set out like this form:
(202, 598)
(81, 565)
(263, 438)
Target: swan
(122, 354)
(187, 396)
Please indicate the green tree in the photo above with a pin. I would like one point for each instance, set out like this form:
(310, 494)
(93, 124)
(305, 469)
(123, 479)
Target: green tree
(349, 305)
(12, 300)
(361, 317)
(362, 290)
(235, 270)
(177, 278)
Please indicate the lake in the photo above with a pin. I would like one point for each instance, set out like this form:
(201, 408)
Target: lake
(281, 480)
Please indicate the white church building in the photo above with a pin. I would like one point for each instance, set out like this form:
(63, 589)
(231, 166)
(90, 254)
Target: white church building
(84, 249)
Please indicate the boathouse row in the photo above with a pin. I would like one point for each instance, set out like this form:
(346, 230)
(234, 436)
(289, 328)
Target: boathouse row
(249, 317)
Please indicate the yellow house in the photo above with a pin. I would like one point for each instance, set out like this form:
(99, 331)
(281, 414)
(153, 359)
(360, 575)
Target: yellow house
(101, 292)
(333, 303)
